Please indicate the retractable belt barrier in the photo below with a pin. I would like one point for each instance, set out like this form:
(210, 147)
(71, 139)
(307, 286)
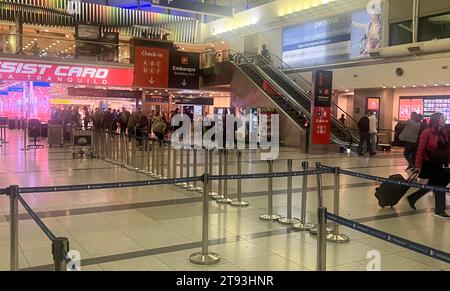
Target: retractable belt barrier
(419, 248)
(389, 181)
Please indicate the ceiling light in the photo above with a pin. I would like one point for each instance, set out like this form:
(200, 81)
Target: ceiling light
(347, 90)
(435, 85)
(394, 87)
(384, 87)
(414, 86)
(58, 41)
(404, 86)
(46, 30)
(424, 85)
(447, 84)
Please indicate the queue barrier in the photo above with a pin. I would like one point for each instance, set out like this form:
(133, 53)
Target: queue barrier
(60, 246)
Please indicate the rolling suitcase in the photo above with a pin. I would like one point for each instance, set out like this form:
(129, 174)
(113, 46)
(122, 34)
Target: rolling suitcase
(390, 194)
(55, 135)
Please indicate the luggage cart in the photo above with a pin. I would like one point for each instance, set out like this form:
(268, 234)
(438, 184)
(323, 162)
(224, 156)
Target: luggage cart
(83, 143)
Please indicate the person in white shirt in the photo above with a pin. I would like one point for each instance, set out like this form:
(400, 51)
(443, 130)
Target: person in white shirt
(373, 131)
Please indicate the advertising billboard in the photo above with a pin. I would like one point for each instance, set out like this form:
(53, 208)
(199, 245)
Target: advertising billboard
(338, 38)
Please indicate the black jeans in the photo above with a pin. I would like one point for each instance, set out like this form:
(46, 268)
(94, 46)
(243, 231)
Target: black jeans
(410, 153)
(438, 177)
(364, 137)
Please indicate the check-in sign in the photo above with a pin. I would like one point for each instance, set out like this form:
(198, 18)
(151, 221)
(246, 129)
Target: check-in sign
(197, 7)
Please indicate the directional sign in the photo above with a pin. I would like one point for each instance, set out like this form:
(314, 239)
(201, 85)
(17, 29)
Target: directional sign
(196, 7)
(184, 70)
(151, 67)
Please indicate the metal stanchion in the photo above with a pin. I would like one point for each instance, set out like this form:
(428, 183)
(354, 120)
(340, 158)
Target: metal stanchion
(126, 152)
(289, 220)
(60, 247)
(154, 162)
(322, 240)
(169, 160)
(195, 186)
(148, 170)
(188, 185)
(174, 166)
(182, 185)
(14, 227)
(219, 194)
(303, 224)
(225, 199)
(205, 257)
(142, 157)
(213, 194)
(239, 202)
(315, 229)
(162, 165)
(270, 215)
(336, 237)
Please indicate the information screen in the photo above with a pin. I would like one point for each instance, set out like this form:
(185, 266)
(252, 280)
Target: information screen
(424, 105)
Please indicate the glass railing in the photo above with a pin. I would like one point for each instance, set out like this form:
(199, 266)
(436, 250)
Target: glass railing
(63, 48)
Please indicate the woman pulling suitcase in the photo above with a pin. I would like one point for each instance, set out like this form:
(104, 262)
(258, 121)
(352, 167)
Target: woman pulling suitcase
(432, 158)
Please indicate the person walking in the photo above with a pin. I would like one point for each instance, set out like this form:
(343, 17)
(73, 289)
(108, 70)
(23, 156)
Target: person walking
(433, 155)
(410, 136)
(159, 128)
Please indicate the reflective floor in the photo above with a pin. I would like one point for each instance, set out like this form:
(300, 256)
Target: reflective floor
(159, 227)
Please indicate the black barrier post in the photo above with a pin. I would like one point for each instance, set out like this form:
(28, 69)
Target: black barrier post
(60, 247)
(288, 220)
(270, 216)
(13, 192)
(322, 240)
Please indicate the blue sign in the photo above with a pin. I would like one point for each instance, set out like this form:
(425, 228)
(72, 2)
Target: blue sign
(338, 38)
(15, 89)
(3, 92)
(41, 84)
(197, 7)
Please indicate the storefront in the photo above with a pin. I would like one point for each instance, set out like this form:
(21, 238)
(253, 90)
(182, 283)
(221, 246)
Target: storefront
(31, 89)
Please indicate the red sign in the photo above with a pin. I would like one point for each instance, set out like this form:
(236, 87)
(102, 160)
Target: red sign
(151, 67)
(373, 104)
(322, 125)
(404, 109)
(74, 74)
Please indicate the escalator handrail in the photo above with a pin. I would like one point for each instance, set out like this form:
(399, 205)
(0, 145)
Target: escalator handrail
(293, 71)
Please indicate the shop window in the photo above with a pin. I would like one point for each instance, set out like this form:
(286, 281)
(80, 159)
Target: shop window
(434, 27)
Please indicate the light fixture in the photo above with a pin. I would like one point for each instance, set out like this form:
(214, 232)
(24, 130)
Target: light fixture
(447, 84)
(435, 85)
(384, 87)
(395, 87)
(424, 85)
(404, 86)
(347, 90)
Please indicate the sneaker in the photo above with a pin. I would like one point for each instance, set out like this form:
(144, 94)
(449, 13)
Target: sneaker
(442, 216)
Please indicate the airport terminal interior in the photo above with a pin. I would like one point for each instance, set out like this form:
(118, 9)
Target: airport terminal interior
(218, 135)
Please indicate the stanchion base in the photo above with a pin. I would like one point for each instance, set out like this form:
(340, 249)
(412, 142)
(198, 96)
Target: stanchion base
(303, 226)
(214, 195)
(288, 221)
(201, 259)
(182, 185)
(187, 186)
(178, 184)
(315, 230)
(199, 190)
(338, 238)
(241, 203)
(269, 217)
(224, 201)
(195, 189)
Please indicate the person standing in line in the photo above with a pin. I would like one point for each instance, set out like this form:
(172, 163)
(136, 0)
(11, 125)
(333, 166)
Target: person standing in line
(373, 133)
(410, 136)
(159, 128)
(124, 116)
(343, 120)
(433, 156)
(363, 126)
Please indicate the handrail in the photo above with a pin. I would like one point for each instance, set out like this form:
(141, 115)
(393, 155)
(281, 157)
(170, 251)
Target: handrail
(298, 75)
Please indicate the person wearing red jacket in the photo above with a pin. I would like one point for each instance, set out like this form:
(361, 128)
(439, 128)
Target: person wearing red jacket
(433, 154)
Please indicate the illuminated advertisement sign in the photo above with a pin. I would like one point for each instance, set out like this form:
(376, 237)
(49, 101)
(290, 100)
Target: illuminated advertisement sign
(426, 106)
(73, 74)
(338, 38)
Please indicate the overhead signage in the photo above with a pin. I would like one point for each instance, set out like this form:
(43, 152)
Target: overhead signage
(73, 74)
(102, 93)
(321, 107)
(337, 38)
(151, 67)
(184, 70)
(373, 104)
(193, 101)
(156, 99)
(196, 7)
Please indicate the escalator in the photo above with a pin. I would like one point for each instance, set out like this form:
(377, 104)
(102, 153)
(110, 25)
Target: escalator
(288, 95)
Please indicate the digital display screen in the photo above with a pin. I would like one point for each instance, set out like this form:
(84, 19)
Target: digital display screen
(425, 106)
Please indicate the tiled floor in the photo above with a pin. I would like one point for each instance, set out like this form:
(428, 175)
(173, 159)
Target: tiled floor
(158, 227)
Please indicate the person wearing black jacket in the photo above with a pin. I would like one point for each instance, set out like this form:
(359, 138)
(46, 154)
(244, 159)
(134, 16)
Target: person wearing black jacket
(364, 137)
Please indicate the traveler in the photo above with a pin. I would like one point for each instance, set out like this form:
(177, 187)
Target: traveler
(409, 136)
(363, 126)
(343, 120)
(373, 132)
(124, 116)
(433, 154)
(108, 120)
(159, 128)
